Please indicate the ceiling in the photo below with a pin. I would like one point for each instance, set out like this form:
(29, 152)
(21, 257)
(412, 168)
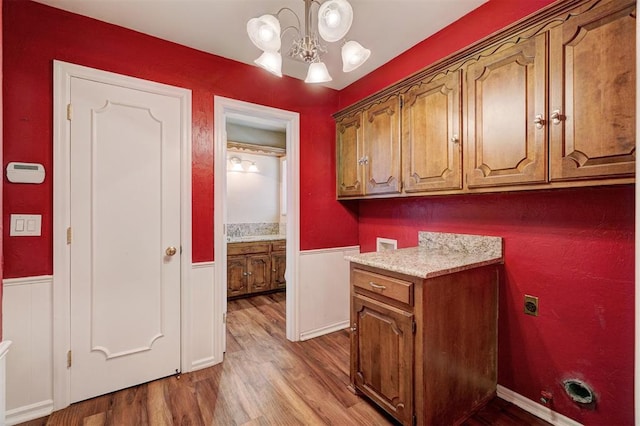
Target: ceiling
(386, 27)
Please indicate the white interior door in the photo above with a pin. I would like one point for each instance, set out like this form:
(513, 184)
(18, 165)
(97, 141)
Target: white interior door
(125, 220)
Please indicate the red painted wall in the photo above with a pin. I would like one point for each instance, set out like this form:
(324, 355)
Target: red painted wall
(35, 34)
(573, 248)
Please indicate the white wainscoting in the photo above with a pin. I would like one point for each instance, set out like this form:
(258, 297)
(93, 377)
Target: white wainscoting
(27, 322)
(202, 318)
(4, 350)
(324, 291)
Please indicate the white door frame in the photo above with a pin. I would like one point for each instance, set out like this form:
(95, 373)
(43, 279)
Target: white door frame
(62, 74)
(223, 108)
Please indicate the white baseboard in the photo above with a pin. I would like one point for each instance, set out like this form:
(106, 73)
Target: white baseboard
(535, 408)
(29, 412)
(324, 330)
(204, 363)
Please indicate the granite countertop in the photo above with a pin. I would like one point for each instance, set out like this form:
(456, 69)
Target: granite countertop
(255, 238)
(436, 254)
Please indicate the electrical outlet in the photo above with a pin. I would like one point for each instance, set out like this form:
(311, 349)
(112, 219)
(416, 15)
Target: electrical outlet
(530, 305)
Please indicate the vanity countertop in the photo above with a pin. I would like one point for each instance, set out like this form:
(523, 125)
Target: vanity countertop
(255, 238)
(436, 254)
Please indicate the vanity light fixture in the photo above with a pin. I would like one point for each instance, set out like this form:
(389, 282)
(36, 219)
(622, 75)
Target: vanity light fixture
(334, 18)
(236, 165)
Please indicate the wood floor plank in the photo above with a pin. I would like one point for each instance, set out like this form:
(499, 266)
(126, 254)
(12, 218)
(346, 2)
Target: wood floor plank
(264, 380)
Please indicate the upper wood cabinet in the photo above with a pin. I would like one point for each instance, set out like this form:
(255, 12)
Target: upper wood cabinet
(549, 102)
(382, 147)
(592, 97)
(349, 152)
(506, 132)
(431, 135)
(368, 150)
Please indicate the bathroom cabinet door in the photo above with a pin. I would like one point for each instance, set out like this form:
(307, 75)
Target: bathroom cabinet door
(258, 273)
(236, 276)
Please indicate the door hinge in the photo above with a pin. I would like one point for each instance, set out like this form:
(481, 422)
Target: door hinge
(414, 420)
(413, 327)
(69, 111)
(69, 359)
(401, 102)
(180, 249)
(224, 317)
(69, 235)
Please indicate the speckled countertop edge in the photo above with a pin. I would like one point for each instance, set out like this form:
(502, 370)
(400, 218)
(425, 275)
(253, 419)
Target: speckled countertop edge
(438, 254)
(255, 238)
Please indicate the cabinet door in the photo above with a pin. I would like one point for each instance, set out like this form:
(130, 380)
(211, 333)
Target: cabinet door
(236, 276)
(382, 147)
(431, 151)
(278, 267)
(506, 97)
(349, 153)
(382, 355)
(259, 272)
(593, 91)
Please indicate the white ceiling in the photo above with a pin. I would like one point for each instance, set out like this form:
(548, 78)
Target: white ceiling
(386, 27)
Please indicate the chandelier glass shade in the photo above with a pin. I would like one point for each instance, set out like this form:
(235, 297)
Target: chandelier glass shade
(334, 19)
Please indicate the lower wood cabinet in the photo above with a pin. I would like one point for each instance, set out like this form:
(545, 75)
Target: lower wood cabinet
(254, 268)
(424, 350)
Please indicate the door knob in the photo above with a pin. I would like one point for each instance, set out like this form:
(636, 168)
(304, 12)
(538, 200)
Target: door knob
(170, 251)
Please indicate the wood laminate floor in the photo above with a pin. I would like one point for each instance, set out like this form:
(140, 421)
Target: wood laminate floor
(264, 380)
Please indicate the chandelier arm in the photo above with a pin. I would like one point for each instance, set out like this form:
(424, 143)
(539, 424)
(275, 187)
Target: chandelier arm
(292, 12)
(290, 27)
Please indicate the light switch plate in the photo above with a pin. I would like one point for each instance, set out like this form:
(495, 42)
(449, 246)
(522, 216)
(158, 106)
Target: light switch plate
(26, 225)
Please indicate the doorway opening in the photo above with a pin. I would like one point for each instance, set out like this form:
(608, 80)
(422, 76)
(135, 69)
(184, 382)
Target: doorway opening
(253, 115)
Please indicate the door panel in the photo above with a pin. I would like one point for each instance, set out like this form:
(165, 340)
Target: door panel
(431, 152)
(506, 93)
(236, 275)
(382, 148)
(259, 270)
(125, 212)
(383, 360)
(349, 154)
(593, 77)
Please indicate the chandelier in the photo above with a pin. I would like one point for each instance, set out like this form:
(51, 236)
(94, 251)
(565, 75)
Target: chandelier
(334, 19)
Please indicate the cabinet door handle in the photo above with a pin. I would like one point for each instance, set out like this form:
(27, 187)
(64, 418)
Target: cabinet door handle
(455, 139)
(376, 286)
(250, 273)
(273, 270)
(539, 121)
(244, 274)
(556, 117)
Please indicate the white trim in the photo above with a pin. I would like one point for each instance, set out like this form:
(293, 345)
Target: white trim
(4, 350)
(39, 279)
(62, 74)
(328, 250)
(223, 108)
(534, 408)
(203, 265)
(324, 330)
(29, 412)
(203, 363)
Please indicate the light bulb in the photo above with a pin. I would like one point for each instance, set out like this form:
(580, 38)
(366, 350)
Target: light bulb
(332, 18)
(265, 33)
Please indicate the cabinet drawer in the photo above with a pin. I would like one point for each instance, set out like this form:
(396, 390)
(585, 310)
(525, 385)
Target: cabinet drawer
(393, 288)
(279, 245)
(247, 248)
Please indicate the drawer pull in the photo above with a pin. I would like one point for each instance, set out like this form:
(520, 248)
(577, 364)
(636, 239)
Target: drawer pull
(376, 286)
